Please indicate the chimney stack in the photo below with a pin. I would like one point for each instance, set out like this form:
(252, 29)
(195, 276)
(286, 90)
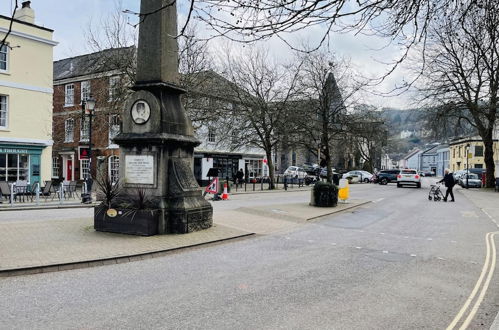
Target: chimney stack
(25, 14)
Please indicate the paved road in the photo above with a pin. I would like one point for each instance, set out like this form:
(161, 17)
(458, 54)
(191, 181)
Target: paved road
(399, 263)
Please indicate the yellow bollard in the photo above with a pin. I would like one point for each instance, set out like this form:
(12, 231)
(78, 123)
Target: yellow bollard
(344, 191)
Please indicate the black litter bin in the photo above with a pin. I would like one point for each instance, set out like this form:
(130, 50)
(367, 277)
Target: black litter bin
(324, 194)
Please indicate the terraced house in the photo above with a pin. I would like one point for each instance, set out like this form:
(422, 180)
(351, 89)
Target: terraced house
(25, 98)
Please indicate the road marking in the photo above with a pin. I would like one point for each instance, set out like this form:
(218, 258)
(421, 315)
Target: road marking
(485, 286)
(378, 200)
(385, 251)
(487, 270)
(358, 247)
(381, 233)
(413, 255)
(491, 217)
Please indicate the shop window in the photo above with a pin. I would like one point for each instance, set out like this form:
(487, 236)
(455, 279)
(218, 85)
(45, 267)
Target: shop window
(85, 90)
(14, 167)
(478, 165)
(114, 88)
(114, 166)
(69, 95)
(3, 111)
(69, 126)
(114, 127)
(55, 167)
(85, 129)
(4, 57)
(254, 168)
(293, 158)
(84, 169)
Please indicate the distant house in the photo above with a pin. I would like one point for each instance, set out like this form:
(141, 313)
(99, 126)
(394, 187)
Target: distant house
(443, 157)
(428, 159)
(474, 148)
(411, 160)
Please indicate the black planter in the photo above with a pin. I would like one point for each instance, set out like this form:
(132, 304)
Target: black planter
(324, 194)
(132, 222)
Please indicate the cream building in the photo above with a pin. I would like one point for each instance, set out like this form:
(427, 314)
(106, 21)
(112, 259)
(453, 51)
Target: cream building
(25, 98)
(473, 146)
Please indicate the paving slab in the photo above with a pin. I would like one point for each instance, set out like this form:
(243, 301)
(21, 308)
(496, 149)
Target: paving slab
(44, 243)
(267, 219)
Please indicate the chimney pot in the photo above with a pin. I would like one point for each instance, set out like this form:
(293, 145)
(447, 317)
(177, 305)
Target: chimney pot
(25, 14)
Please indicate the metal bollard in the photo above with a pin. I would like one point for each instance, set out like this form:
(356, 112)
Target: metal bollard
(61, 193)
(11, 194)
(261, 184)
(37, 191)
(254, 182)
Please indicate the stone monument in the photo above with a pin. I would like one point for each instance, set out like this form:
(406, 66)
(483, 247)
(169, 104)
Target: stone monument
(157, 140)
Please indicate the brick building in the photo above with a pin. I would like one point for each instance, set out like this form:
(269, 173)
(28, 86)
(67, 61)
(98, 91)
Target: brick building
(105, 76)
(75, 79)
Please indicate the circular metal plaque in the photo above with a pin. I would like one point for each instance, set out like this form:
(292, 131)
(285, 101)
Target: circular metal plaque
(112, 213)
(141, 112)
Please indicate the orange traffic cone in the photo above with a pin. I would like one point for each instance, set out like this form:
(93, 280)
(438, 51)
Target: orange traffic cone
(225, 195)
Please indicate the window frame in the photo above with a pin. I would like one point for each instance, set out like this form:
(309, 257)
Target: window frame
(66, 88)
(84, 133)
(113, 82)
(84, 169)
(111, 125)
(212, 135)
(85, 88)
(55, 166)
(6, 111)
(66, 140)
(7, 54)
(114, 168)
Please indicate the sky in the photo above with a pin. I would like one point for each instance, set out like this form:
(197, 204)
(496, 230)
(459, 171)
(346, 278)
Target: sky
(70, 20)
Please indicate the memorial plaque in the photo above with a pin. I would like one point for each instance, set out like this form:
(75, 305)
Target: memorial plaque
(139, 169)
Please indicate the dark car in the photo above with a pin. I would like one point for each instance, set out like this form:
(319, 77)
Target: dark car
(386, 176)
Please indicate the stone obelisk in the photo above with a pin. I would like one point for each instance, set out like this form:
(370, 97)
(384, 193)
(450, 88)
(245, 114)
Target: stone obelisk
(157, 140)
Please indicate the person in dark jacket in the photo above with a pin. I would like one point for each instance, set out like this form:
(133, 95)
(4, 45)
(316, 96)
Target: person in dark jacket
(240, 177)
(449, 183)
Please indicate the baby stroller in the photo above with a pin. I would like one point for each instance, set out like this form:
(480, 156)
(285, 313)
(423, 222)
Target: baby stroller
(435, 193)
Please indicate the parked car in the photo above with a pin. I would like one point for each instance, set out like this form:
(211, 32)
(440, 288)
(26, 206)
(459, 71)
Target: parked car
(323, 173)
(477, 171)
(408, 177)
(426, 173)
(385, 176)
(312, 169)
(364, 176)
(295, 172)
(457, 174)
(470, 180)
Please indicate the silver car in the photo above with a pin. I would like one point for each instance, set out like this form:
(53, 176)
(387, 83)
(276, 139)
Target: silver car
(470, 180)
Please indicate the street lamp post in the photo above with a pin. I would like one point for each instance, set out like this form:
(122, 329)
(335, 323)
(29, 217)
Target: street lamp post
(87, 109)
(467, 165)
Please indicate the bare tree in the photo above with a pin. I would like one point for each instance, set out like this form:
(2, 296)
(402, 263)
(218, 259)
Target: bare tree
(264, 91)
(3, 41)
(369, 135)
(462, 74)
(327, 88)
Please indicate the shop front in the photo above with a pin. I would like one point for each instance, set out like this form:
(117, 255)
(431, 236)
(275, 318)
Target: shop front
(20, 163)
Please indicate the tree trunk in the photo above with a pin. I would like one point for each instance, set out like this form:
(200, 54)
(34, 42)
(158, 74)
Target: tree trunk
(270, 164)
(489, 161)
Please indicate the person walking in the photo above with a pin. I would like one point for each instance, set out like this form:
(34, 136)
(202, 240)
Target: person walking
(240, 176)
(449, 183)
